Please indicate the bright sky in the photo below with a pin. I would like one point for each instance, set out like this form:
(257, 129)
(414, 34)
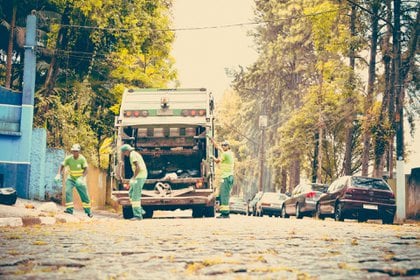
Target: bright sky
(203, 55)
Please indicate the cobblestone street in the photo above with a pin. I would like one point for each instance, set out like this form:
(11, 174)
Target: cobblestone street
(185, 248)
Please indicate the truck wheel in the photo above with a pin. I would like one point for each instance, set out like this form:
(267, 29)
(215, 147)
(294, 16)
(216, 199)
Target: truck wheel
(148, 214)
(209, 212)
(127, 211)
(197, 212)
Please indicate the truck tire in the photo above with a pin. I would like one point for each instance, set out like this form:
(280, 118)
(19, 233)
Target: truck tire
(148, 214)
(127, 211)
(198, 212)
(209, 212)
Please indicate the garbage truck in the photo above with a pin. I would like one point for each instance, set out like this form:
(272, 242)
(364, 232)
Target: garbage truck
(171, 129)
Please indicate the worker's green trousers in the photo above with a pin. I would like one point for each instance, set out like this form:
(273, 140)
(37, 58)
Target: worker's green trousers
(81, 188)
(225, 189)
(134, 193)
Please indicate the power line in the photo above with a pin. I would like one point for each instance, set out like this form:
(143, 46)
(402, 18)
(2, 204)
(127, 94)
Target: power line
(222, 26)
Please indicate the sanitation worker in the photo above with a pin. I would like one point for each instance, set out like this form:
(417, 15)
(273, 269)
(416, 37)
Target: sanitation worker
(137, 180)
(226, 161)
(78, 167)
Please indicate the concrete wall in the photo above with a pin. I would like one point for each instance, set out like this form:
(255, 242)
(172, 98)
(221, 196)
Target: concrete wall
(412, 192)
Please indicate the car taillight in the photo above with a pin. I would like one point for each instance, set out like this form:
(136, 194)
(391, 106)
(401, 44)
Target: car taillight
(199, 184)
(349, 192)
(310, 194)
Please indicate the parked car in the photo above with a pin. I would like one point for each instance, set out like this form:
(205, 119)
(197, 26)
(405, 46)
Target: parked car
(237, 205)
(270, 204)
(357, 197)
(303, 200)
(252, 204)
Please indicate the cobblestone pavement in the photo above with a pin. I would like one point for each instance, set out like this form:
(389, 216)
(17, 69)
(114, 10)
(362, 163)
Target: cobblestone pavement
(185, 248)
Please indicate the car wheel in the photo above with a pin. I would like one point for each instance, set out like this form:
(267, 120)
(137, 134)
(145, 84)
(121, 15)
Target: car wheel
(318, 214)
(388, 219)
(338, 212)
(298, 213)
(283, 213)
(361, 218)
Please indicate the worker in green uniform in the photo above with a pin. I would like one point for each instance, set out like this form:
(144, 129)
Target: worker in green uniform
(78, 167)
(137, 180)
(226, 161)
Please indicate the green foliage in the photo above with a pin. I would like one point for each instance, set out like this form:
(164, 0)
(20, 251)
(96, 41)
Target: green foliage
(103, 47)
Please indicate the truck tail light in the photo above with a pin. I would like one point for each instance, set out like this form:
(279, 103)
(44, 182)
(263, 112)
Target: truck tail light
(136, 114)
(127, 113)
(144, 113)
(310, 194)
(193, 113)
(201, 112)
(199, 184)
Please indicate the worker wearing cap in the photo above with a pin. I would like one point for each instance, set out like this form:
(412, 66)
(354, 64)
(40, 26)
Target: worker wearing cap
(78, 167)
(226, 161)
(137, 180)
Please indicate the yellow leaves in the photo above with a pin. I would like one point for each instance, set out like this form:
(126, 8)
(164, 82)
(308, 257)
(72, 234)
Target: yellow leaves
(346, 266)
(13, 236)
(195, 267)
(39, 243)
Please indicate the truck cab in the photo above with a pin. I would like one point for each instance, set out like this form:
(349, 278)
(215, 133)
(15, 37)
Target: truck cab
(170, 128)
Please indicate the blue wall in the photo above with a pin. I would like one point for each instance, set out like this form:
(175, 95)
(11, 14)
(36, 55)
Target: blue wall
(37, 179)
(16, 119)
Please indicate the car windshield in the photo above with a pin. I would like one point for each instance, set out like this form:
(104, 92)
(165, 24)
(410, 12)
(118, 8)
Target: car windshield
(270, 197)
(376, 183)
(319, 188)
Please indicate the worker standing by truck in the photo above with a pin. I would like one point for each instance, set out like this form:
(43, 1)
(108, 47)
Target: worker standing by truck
(137, 180)
(226, 161)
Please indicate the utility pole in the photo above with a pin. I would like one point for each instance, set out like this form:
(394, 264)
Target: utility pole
(262, 124)
(399, 114)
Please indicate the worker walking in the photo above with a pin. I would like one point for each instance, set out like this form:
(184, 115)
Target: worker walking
(78, 167)
(137, 180)
(226, 161)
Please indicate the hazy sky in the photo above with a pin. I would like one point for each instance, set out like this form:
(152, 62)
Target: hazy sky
(202, 55)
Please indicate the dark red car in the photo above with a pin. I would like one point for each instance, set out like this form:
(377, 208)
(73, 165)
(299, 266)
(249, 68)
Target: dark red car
(357, 197)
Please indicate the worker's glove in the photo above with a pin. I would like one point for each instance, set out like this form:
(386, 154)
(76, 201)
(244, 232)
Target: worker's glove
(132, 181)
(81, 180)
(57, 179)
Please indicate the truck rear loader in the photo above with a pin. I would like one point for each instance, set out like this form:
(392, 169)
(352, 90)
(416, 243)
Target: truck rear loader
(170, 128)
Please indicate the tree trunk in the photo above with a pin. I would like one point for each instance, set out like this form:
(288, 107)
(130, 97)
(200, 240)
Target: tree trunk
(384, 117)
(350, 102)
(315, 159)
(61, 44)
(371, 88)
(8, 82)
(283, 180)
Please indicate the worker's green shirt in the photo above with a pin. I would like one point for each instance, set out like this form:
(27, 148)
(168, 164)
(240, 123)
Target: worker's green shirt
(227, 163)
(136, 157)
(76, 166)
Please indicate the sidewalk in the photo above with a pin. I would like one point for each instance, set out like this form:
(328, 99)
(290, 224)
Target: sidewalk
(30, 212)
